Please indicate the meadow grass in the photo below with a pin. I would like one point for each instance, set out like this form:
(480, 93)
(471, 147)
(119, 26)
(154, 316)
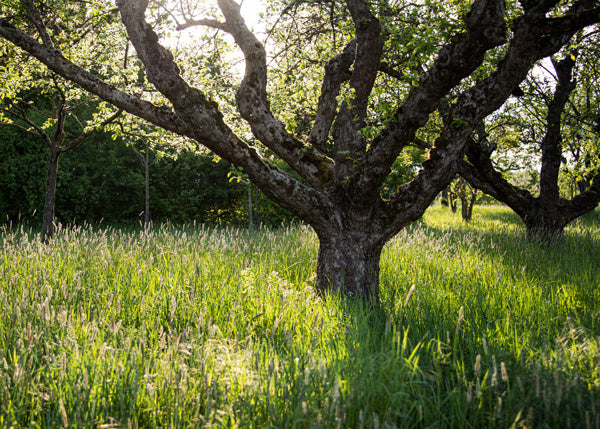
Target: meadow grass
(195, 326)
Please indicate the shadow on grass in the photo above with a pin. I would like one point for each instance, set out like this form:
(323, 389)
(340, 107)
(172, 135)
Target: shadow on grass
(432, 363)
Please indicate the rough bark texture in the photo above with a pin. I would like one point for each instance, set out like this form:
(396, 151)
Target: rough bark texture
(339, 193)
(546, 215)
(347, 264)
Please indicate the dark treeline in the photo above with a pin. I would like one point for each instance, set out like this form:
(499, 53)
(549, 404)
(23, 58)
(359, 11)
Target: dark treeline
(103, 179)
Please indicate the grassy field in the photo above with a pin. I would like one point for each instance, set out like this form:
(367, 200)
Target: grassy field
(193, 327)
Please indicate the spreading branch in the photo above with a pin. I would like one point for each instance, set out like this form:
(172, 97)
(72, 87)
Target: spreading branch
(349, 145)
(206, 22)
(337, 71)
(253, 105)
(485, 29)
(203, 121)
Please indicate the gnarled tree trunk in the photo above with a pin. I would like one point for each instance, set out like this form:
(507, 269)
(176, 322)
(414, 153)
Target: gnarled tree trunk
(348, 262)
(546, 221)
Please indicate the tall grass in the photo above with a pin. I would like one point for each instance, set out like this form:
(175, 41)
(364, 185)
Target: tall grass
(194, 326)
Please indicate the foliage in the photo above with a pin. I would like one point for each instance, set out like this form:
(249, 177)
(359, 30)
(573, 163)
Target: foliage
(22, 178)
(102, 180)
(582, 116)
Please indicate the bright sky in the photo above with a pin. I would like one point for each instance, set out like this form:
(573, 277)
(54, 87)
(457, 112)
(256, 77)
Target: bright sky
(250, 10)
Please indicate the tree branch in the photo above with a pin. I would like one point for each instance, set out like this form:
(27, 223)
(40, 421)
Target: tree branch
(253, 104)
(421, 144)
(81, 138)
(34, 15)
(212, 23)
(580, 15)
(349, 145)
(479, 171)
(537, 8)
(527, 46)
(587, 200)
(207, 130)
(551, 143)
(337, 71)
(369, 48)
(485, 29)
(55, 61)
(22, 115)
(203, 122)
(390, 71)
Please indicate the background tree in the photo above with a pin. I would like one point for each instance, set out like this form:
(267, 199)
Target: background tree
(353, 142)
(581, 119)
(467, 196)
(42, 109)
(41, 103)
(563, 141)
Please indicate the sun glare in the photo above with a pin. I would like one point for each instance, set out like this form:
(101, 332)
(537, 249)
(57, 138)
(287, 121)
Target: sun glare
(251, 10)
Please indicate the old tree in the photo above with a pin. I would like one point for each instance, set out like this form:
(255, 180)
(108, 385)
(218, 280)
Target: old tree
(341, 165)
(562, 126)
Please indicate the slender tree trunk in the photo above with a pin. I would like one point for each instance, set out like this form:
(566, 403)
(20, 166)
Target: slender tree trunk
(471, 205)
(467, 202)
(50, 200)
(250, 209)
(445, 198)
(147, 217)
(464, 209)
(452, 200)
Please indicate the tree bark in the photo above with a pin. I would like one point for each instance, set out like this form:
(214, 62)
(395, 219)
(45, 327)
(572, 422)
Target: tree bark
(50, 199)
(348, 263)
(445, 199)
(467, 202)
(452, 201)
(546, 222)
(464, 209)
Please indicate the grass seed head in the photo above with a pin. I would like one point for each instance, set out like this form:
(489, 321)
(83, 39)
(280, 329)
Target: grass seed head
(409, 295)
(63, 413)
(503, 372)
(477, 367)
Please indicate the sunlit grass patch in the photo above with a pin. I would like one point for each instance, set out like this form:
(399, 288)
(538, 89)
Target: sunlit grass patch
(194, 326)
